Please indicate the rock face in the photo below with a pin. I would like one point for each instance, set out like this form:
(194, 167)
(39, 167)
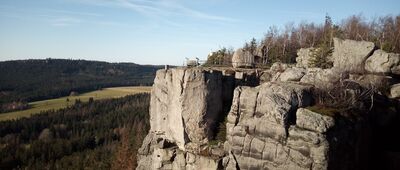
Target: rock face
(382, 62)
(267, 128)
(259, 131)
(395, 91)
(186, 105)
(172, 113)
(312, 121)
(323, 78)
(268, 122)
(279, 67)
(292, 74)
(350, 55)
(158, 153)
(242, 59)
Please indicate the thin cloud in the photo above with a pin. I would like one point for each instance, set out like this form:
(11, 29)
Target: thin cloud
(65, 21)
(74, 12)
(202, 15)
(160, 9)
(55, 17)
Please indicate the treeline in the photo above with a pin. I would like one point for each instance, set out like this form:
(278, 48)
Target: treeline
(101, 134)
(282, 44)
(31, 80)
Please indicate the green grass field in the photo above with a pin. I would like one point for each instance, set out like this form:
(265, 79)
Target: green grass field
(63, 102)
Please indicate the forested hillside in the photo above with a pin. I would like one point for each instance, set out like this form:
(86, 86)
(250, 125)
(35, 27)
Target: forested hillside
(281, 43)
(31, 80)
(96, 135)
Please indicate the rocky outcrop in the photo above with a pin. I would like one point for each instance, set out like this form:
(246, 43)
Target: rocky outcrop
(242, 59)
(185, 108)
(158, 153)
(323, 78)
(312, 121)
(395, 91)
(268, 128)
(382, 62)
(268, 122)
(292, 74)
(172, 114)
(259, 131)
(279, 67)
(350, 55)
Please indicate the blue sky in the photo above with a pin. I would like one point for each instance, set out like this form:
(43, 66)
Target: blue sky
(155, 31)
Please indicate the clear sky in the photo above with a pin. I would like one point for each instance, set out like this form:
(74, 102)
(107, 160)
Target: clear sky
(156, 31)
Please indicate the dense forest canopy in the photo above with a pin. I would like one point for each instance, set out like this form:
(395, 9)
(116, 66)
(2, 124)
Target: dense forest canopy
(31, 80)
(282, 44)
(101, 134)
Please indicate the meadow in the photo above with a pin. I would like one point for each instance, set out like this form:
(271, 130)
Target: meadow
(63, 102)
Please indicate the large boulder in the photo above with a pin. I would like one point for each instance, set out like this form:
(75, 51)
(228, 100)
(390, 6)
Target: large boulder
(292, 74)
(382, 62)
(396, 70)
(275, 100)
(350, 55)
(242, 59)
(323, 78)
(313, 121)
(395, 91)
(279, 67)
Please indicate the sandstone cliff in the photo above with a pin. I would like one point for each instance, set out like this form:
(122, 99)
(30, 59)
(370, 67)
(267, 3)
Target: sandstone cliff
(266, 114)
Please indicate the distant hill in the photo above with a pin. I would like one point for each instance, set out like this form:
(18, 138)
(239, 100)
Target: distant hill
(30, 80)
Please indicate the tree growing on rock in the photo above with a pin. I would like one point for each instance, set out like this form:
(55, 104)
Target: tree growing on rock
(320, 57)
(222, 57)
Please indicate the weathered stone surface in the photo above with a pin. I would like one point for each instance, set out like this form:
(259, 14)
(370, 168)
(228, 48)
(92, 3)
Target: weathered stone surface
(303, 57)
(396, 70)
(310, 120)
(266, 126)
(172, 112)
(229, 162)
(395, 91)
(350, 55)
(382, 62)
(292, 74)
(174, 158)
(323, 78)
(266, 76)
(258, 123)
(271, 101)
(185, 105)
(245, 77)
(202, 162)
(279, 67)
(242, 59)
(179, 161)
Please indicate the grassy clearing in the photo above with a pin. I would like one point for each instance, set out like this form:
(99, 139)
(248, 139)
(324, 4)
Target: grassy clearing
(63, 102)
